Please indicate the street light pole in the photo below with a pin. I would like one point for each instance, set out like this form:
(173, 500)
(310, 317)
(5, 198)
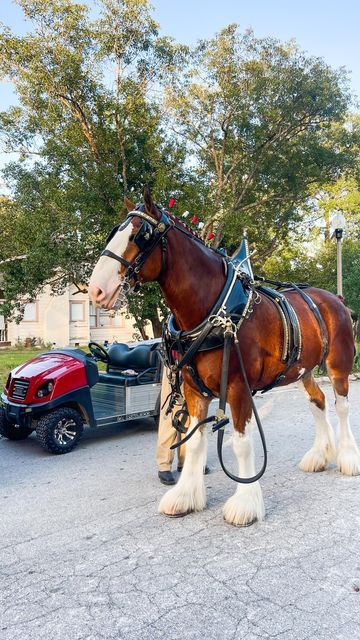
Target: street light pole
(339, 278)
(338, 224)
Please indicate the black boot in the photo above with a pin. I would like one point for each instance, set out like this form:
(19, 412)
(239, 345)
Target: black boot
(166, 477)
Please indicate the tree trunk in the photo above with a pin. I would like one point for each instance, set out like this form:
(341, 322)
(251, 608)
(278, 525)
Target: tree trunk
(143, 333)
(157, 326)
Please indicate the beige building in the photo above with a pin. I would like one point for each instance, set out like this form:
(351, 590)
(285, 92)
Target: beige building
(64, 320)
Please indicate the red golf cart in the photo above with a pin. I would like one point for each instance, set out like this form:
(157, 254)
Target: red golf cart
(59, 392)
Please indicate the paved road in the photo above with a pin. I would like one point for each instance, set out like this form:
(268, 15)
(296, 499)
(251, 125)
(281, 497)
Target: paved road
(84, 554)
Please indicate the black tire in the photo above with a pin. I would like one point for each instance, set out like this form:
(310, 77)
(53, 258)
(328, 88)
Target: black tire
(60, 430)
(9, 431)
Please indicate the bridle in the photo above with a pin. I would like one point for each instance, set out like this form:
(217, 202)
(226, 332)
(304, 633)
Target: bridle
(150, 234)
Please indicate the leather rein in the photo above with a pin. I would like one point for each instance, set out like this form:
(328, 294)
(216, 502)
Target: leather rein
(150, 234)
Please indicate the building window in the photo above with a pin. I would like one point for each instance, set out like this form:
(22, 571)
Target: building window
(30, 312)
(77, 313)
(93, 316)
(100, 318)
(104, 318)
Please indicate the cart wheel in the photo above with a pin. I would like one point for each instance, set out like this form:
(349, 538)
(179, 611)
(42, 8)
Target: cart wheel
(8, 430)
(60, 430)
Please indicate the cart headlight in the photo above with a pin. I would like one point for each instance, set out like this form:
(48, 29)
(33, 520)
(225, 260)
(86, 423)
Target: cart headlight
(45, 389)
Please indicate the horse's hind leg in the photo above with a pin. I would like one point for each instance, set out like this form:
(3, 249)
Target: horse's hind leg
(348, 455)
(323, 450)
(247, 504)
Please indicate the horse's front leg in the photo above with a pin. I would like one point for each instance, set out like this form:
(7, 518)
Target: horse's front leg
(247, 504)
(189, 492)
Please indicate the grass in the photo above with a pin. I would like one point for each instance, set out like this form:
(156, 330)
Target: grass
(11, 358)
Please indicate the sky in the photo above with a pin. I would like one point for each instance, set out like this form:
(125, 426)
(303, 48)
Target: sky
(329, 29)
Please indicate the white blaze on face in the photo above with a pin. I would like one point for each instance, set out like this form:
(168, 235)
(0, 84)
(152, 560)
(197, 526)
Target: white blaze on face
(105, 275)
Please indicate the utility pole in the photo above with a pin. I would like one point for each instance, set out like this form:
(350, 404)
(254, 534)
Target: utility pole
(339, 278)
(338, 224)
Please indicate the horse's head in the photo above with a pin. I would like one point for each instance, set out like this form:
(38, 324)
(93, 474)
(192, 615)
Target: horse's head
(134, 253)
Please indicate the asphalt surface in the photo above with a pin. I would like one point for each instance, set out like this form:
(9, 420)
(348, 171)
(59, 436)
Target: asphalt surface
(84, 554)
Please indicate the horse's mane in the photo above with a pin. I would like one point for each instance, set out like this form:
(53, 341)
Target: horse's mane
(189, 229)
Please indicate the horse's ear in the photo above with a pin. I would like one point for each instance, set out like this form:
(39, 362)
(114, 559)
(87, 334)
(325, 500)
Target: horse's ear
(128, 204)
(148, 201)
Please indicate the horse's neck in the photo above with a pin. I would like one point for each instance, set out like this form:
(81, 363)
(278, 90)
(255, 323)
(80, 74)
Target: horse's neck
(193, 279)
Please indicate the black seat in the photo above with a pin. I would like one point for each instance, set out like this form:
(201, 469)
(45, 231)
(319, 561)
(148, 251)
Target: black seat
(138, 358)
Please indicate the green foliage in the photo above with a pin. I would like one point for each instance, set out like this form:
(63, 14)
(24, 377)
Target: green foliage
(148, 306)
(258, 115)
(244, 132)
(85, 137)
(295, 265)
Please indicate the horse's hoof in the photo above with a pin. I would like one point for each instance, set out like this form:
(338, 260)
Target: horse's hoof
(348, 461)
(241, 526)
(177, 515)
(245, 507)
(315, 460)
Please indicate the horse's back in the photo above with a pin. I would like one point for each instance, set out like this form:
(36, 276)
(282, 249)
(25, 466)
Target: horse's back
(336, 317)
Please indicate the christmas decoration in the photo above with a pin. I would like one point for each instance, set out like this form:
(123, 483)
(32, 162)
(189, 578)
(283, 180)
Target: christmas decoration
(211, 235)
(194, 219)
(185, 214)
(201, 225)
(171, 203)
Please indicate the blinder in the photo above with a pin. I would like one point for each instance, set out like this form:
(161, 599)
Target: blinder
(142, 237)
(118, 227)
(150, 234)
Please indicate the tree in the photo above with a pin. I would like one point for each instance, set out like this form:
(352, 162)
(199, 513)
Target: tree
(86, 132)
(318, 268)
(311, 257)
(251, 129)
(258, 117)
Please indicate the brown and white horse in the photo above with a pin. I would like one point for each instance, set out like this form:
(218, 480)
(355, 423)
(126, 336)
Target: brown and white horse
(191, 276)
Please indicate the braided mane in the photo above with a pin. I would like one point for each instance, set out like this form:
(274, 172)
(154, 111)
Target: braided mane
(193, 233)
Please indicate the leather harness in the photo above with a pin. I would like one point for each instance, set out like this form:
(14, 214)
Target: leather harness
(219, 329)
(151, 233)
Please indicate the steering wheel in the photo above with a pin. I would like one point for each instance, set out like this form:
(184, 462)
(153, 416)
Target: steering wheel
(98, 352)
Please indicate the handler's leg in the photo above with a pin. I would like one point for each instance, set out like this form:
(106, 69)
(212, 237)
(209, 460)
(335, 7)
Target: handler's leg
(189, 493)
(167, 436)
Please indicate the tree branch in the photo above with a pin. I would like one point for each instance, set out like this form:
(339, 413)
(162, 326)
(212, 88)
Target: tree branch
(79, 113)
